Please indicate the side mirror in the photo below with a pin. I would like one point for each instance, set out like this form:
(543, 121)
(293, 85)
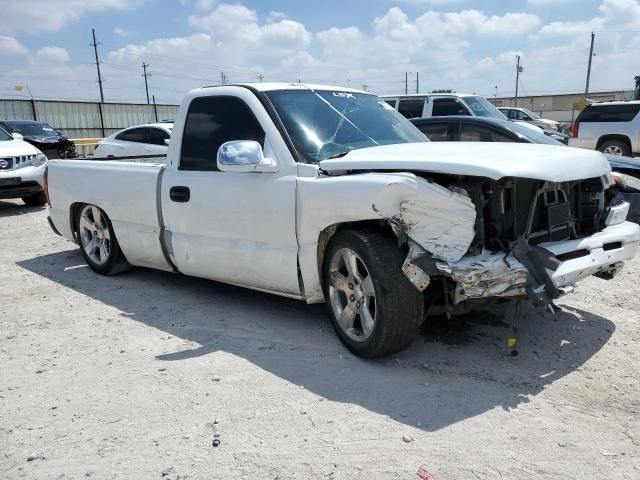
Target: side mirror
(17, 136)
(244, 156)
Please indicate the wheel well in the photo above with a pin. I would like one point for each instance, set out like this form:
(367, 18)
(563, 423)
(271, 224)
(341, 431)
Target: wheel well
(73, 213)
(329, 232)
(606, 138)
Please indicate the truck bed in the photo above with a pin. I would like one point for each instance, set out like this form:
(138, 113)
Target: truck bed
(126, 191)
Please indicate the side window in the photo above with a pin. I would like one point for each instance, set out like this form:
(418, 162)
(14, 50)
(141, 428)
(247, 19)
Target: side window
(157, 136)
(501, 137)
(520, 115)
(391, 102)
(137, 135)
(609, 113)
(436, 132)
(212, 121)
(411, 108)
(475, 133)
(444, 107)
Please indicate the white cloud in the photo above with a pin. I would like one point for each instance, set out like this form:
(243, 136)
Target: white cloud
(614, 15)
(237, 27)
(33, 16)
(55, 55)
(9, 46)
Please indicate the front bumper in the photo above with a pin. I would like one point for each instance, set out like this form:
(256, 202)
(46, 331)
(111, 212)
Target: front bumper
(542, 272)
(598, 253)
(22, 182)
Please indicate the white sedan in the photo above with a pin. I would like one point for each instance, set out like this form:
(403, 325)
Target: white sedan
(149, 139)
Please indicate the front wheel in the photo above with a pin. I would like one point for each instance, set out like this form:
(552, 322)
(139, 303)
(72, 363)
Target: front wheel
(374, 309)
(98, 243)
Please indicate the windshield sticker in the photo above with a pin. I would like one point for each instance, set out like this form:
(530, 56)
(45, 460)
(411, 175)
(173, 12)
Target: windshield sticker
(343, 95)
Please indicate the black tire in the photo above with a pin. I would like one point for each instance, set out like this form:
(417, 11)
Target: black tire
(399, 307)
(116, 261)
(615, 147)
(36, 200)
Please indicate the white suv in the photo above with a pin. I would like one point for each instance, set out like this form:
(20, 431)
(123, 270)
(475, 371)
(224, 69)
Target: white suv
(443, 105)
(22, 169)
(611, 127)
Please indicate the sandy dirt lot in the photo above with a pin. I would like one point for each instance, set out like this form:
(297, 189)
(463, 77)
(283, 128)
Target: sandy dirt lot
(136, 376)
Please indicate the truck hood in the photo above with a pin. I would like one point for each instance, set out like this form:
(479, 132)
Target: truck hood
(493, 160)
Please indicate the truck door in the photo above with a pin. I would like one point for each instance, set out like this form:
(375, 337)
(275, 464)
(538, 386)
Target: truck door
(232, 227)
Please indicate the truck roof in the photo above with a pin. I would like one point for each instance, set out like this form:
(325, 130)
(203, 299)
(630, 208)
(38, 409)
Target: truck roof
(273, 86)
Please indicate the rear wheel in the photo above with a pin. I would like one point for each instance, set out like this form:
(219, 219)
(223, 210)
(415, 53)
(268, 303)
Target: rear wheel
(615, 147)
(98, 243)
(36, 200)
(374, 309)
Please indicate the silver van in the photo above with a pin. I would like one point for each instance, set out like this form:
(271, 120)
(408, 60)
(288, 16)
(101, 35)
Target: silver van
(611, 127)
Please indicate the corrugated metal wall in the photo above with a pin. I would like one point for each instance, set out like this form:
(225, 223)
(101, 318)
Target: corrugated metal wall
(82, 119)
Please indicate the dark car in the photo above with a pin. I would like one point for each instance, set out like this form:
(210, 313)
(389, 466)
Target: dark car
(482, 129)
(42, 136)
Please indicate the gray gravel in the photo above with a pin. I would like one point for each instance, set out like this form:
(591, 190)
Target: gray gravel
(152, 375)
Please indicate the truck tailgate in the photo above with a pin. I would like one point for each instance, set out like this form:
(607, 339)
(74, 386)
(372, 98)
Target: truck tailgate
(126, 191)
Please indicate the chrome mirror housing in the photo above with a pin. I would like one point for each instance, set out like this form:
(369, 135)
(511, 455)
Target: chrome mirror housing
(244, 156)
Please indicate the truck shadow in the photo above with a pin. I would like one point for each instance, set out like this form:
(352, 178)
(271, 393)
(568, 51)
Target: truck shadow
(10, 209)
(455, 370)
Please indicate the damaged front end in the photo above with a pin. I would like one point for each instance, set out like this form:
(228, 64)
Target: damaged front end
(530, 238)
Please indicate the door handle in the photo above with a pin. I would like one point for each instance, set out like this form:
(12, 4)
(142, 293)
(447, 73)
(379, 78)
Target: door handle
(180, 194)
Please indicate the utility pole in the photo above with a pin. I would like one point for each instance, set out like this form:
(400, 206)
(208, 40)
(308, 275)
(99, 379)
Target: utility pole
(364, 87)
(586, 88)
(146, 83)
(223, 78)
(155, 108)
(518, 70)
(417, 82)
(260, 77)
(406, 83)
(95, 50)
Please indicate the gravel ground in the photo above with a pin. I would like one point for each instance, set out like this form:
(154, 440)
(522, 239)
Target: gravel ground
(137, 376)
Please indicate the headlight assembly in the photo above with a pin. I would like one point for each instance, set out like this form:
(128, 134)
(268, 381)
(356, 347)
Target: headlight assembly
(40, 159)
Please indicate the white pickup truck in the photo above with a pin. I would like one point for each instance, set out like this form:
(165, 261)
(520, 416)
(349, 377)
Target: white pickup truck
(328, 194)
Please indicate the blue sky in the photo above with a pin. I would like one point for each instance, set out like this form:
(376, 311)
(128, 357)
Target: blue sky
(461, 44)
